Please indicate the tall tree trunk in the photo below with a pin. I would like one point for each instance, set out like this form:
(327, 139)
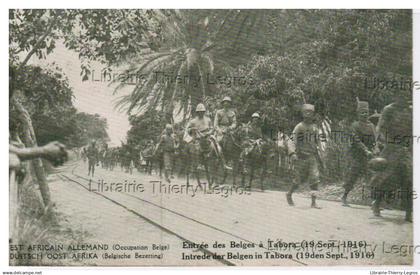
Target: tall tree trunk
(29, 140)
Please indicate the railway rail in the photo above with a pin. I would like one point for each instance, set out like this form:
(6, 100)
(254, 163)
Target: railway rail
(84, 183)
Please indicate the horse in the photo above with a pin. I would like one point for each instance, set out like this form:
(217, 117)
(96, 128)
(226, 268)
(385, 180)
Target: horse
(231, 150)
(284, 147)
(200, 150)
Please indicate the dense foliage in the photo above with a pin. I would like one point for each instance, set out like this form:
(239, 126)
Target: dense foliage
(269, 61)
(48, 97)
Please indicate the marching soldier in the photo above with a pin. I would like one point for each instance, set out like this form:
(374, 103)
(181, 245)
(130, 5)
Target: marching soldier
(394, 166)
(362, 148)
(167, 144)
(92, 155)
(224, 122)
(253, 136)
(306, 140)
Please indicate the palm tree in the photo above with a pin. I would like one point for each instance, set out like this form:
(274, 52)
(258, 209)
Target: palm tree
(192, 47)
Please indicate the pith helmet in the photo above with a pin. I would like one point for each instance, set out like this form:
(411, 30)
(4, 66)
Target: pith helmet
(200, 108)
(257, 115)
(227, 98)
(168, 127)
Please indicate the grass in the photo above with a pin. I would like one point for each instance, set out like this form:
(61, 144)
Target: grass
(40, 226)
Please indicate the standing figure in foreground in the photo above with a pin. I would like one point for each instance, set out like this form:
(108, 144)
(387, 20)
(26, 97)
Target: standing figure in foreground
(394, 167)
(363, 140)
(306, 140)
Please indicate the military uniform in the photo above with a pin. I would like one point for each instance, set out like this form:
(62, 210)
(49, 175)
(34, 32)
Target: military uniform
(363, 142)
(306, 141)
(92, 155)
(395, 130)
(224, 120)
(198, 126)
(147, 156)
(167, 144)
(253, 133)
(305, 137)
(148, 151)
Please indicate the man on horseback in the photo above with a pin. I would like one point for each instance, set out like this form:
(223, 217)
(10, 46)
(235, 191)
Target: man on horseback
(306, 140)
(363, 141)
(199, 127)
(224, 124)
(167, 144)
(253, 136)
(197, 137)
(394, 166)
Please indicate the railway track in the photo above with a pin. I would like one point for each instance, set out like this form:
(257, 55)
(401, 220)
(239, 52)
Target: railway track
(154, 223)
(84, 183)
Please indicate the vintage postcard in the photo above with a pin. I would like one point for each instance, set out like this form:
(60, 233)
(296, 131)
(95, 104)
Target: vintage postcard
(222, 137)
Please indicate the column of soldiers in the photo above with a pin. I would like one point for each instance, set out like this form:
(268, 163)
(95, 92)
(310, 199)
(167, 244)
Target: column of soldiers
(391, 167)
(224, 124)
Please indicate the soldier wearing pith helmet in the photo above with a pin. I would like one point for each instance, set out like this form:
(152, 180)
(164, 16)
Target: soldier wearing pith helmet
(253, 136)
(394, 130)
(225, 119)
(199, 126)
(224, 123)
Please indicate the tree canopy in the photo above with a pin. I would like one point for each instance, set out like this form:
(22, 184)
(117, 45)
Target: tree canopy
(48, 98)
(287, 56)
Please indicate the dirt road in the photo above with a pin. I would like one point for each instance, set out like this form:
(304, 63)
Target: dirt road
(351, 235)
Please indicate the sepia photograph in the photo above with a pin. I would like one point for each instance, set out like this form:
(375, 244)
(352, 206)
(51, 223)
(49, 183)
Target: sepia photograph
(211, 137)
